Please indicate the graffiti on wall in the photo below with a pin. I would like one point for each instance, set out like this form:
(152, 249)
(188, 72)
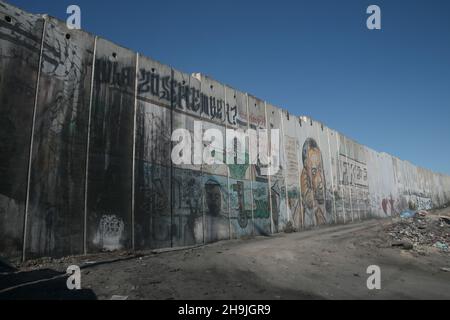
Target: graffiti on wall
(217, 225)
(20, 42)
(406, 201)
(59, 141)
(173, 206)
(313, 183)
(278, 200)
(109, 233)
(187, 202)
(240, 194)
(422, 202)
(183, 96)
(353, 175)
(292, 181)
(152, 205)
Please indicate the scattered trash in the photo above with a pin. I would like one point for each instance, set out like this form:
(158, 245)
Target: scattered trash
(117, 298)
(289, 228)
(445, 219)
(445, 269)
(407, 214)
(422, 230)
(422, 213)
(406, 245)
(441, 246)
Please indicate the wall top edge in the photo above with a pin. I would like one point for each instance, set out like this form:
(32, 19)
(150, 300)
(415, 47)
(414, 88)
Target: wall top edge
(201, 76)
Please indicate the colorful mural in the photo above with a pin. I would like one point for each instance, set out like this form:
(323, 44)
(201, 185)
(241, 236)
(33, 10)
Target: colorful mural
(313, 184)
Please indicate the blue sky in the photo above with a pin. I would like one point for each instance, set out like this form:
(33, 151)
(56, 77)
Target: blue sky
(388, 89)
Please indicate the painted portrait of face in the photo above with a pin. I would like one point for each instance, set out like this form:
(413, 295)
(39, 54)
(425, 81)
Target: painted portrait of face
(213, 197)
(314, 169)
(313, 181)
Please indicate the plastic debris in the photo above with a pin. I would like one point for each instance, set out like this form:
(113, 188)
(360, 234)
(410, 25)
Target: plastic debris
(441, 246)
(407, 214)
(445, 219)
(420, 231)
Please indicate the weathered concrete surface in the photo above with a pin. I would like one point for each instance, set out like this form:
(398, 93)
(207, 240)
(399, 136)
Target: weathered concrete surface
(325, 263)
(152, 206)
(20, 45)
(85, 158)
(109, 188)
(57, 182)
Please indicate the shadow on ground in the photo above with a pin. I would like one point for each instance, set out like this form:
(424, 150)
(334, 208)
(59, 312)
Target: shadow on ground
(6, 267)
(45, 284)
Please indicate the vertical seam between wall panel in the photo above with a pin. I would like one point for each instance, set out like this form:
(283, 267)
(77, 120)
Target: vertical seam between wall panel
(88, 146)
(349, 186)
(30, 156)
(338, 146)
(332, 176)
(285, 175)
(171, 162)
(269, 154)
(227, 166)
(323, 170)
(300, 198)
(250, 163)
(133, 165)
(357, 198)
(202, 167)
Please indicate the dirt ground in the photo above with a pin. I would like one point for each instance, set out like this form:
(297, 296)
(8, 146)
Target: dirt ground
(325, 263)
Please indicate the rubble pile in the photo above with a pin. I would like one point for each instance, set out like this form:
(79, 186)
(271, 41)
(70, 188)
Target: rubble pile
(421, 229)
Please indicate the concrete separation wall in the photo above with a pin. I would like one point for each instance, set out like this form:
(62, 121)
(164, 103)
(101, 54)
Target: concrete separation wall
(85, 154)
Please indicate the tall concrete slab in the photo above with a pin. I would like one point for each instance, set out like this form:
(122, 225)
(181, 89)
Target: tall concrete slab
(436, 199)
(58, 161)
(344, 174)
(110, 161)
(213, 118)
(374, 182)
(152, 174)
(260, 181)
(325, 166)
(402, 185)
(187, 215)
(335, 184)
(355, 165)
(278, 191)
(446, 190)
(215, 180)
(391, 203)
(187, 177)
(312, 172)
(239, 173)
(317, 172)
(292, 146)
(216, 204)
(20, 46)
